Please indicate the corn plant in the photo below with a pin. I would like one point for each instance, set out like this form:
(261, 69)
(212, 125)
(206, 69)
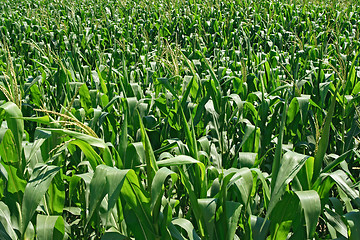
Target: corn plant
(179, 119)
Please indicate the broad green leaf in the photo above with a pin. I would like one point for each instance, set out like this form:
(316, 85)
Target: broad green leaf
(293, 110)
(29, 233)
(157, 189)
(339, 177)
(207, 210)
(159, 180)
(259, 232)
(175, 233)
(6, 229)
(353, 220)
(95, 142)
(178, 160)
(106, 180)
(187, 226)
(97, 191)
(326, 180)
(305, 174)
(112, 234)
(166, 83)
(37, 186)
(40, 138)
(56, 197)
(304, 107)
(89, 152)
(252, 142)
(247, 159)
(12, 164)
(43, 120)
(139, 203)
(85, 98)
(233, 211)
(28, 85)
(282, 216)
(135, 155)
(337, 205)
(112, 101)
(290, 166)
(242, 180)
(311, 206)
(50, 227)
(265, 185)
(115, 179)
(248, 131)
(336, 221)
(13, 117)
(336, 162)
(3, 233)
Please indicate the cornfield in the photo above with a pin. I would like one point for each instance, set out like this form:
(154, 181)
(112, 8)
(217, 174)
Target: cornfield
(174, 119)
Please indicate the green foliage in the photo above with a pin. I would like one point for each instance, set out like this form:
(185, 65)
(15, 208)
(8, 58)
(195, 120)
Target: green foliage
(179, 119)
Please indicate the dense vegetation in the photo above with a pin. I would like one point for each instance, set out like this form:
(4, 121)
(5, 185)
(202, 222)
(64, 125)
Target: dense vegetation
(177, 119)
